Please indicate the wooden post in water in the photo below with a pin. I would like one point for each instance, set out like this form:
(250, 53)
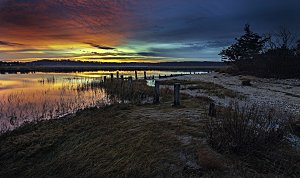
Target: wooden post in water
(156, 93)
(118, 75)
(111, 77)
(104, 79)
(122, 77)
(212, 110)
(136, 76)
(145, 75)
(176, 94)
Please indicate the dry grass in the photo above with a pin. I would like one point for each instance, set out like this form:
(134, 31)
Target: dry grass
(209, 87)
(209, 160)
(173, 81)
(135, 92)
(215, 89)
(116, 141)
(93, 144)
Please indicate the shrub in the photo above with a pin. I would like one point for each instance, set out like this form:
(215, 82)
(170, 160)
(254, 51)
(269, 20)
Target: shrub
(247, 130)
(257, 137)
(246, 82)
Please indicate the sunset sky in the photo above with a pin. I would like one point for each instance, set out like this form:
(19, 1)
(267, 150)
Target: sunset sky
(134, 30)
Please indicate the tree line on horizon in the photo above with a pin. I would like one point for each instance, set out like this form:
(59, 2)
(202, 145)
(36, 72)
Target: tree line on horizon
(67, 62)
(264, 56)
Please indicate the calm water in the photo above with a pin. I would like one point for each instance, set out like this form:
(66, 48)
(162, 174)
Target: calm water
(40, 96)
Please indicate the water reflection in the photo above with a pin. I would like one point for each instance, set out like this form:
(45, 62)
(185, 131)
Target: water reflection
(47, 100)
(38, 96)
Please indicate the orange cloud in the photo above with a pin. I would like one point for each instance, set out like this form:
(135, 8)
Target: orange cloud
(64, 24)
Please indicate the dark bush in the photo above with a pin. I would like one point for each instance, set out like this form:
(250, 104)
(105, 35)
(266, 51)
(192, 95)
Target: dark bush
(246, 82)
(246, 130)
(257, 137)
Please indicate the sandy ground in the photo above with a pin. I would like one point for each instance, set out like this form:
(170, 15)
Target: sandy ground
(282, 94)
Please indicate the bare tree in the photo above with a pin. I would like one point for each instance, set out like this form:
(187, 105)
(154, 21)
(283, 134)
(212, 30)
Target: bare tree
(285, 39)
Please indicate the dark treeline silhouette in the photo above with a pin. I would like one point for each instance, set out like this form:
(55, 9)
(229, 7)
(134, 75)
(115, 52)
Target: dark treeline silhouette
(47, 62)
(264, 56)
(73, 66)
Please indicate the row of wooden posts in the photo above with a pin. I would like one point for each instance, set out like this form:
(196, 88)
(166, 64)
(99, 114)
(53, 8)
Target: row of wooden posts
(118, 76)
(156, 88)
(156, 100)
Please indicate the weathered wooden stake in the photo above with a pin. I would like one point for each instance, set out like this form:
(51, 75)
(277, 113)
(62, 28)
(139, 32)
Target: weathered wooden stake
(212, 110)
(156, 93)
(122, 77)
(136, 76)
(176, 94)
(104, 79)
(130, 81)
(118, 75)
(111, 76)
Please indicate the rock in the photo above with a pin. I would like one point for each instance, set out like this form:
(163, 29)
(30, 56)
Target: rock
(246, 82)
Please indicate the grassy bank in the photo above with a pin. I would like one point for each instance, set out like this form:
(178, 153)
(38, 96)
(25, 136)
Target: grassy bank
(114, 141)
(143, 140)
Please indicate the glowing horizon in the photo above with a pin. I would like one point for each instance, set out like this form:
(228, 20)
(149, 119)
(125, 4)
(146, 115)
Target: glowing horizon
(130, 30)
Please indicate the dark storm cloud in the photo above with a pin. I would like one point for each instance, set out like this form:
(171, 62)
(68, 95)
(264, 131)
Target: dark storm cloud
(209, 25)
(101, 47)
(213, 20)
(6, 43)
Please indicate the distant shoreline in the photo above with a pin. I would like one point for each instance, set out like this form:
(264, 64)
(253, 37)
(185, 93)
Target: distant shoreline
(27, 69)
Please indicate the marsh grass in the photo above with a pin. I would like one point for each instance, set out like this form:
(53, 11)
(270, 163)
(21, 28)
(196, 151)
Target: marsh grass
(136, 91)
(51, 102)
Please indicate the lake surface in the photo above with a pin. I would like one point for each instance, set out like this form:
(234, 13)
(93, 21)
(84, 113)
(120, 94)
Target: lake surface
(39, 96)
